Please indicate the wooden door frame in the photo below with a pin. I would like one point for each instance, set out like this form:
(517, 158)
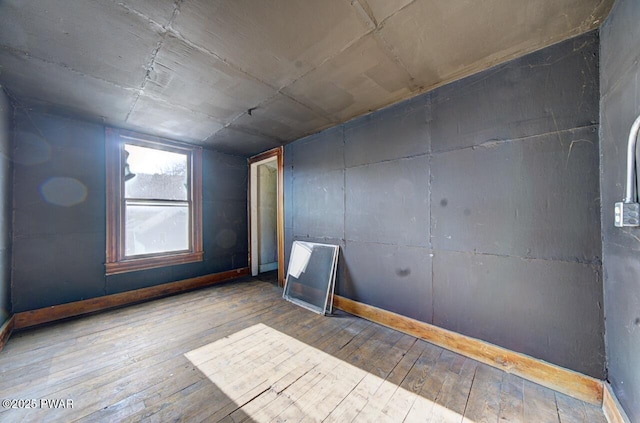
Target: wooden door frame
(252, 163)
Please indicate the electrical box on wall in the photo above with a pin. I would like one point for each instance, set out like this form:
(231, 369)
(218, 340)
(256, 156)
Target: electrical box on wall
(627, 214)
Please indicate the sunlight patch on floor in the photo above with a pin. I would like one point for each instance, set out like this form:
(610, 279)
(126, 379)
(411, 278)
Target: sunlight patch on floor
(272, 376)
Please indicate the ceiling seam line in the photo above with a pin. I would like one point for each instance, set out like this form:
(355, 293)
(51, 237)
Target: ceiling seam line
(177, 34)
(67, 67)
(154, 54)
(279, 90)
(386, 47)
(396, 12)
(374, 31)
(139, 14)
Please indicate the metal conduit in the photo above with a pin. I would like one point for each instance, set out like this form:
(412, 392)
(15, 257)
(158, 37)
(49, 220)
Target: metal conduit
(631, 189)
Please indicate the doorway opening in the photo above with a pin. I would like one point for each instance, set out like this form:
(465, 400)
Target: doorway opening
(266, 245)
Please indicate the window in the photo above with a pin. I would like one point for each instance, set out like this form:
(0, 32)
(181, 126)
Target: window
(154, 191)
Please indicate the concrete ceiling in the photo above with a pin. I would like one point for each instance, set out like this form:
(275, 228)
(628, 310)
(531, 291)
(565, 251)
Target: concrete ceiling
(244, 76)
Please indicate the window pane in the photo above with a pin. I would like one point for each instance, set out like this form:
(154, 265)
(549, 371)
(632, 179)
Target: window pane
(158, 174)
(156, 228)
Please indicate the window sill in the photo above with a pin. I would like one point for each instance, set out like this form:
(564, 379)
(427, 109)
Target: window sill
(133, 265)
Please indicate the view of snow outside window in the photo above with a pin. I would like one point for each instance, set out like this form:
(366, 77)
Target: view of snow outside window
(156, 202)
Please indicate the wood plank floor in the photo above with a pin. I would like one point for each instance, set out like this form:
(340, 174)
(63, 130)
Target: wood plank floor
(238, 352)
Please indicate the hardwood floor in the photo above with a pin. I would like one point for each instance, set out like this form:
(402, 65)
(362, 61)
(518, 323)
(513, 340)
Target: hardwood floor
(238, 352)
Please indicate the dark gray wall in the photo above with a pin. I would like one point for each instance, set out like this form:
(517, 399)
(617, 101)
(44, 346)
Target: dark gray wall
(474, 207)
(59, 252)
(619, 106)
(6, 112)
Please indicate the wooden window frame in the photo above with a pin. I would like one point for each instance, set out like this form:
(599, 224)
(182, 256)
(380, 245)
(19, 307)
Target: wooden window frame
(116, 261)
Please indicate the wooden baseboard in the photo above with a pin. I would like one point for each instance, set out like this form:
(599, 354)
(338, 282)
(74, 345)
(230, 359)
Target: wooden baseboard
(49, 314)
(612, 409)
(5, 331)
(546, 374)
